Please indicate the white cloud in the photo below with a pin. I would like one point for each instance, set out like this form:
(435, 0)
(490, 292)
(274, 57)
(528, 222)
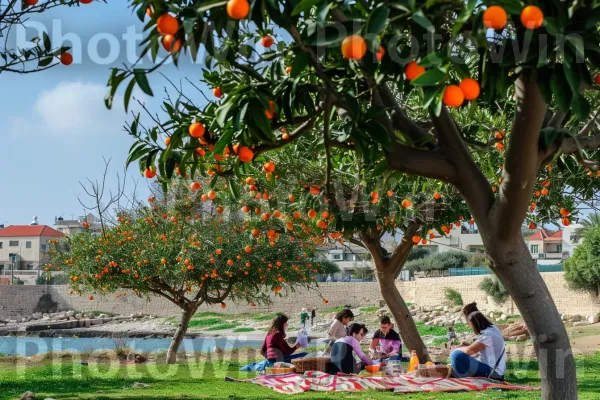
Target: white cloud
(73, 109)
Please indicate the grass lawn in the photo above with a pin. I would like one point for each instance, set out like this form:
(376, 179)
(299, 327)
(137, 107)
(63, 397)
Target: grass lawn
(193, 379)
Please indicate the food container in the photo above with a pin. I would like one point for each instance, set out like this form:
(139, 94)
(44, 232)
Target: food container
(373, 368)
(277, 371)
(310, 364)
(395, 367)
(434, 371)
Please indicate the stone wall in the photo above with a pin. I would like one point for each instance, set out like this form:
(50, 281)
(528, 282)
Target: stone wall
(19, 301)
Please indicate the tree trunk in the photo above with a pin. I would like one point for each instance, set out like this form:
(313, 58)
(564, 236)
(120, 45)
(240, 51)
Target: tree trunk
(406, 324)
(186, 316)
(517, 271)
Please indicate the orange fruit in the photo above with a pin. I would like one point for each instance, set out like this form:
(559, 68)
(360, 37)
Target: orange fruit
(245, 209)
(354, 47)
(325, 214)
(532, 17)
(416, 239)
(495, 17)
(238, 9)
(229, 262)
(406, 203)
(91, 297)
(315, 190)
(171, 44)
(265, 216)
(255, 232)
(499, 146)
(288, 70)
(149, 12)
(413, 70)
(269, 114)
(167, 25)
(285, 136)
(544, 192)
(167, 140)
(200, 152)
(163, 261)
(531, 225)
(437, 196)
(499, 135)
(220, 210)
(390, 193)
(597, 79)
(248, 249)
(31, 2)
(321, 224)
(245, 154)
(212, 195)
(266, 41)
(66, 59)
(223, 305)
(566, 221)
(217, 92)
(379, 55)
(196, 130)
(470, 88)
(564, 212)
(269, 166)
(296, 214)
(195, 186)
(291, 198)
(150, 173)
(453, 96)
(312, 213)
(424, 241)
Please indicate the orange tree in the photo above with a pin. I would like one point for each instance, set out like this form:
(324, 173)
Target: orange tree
(479, 95)
(41, 54)
(190, 251)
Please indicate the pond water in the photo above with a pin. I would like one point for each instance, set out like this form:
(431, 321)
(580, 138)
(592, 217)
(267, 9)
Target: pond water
(30, 345)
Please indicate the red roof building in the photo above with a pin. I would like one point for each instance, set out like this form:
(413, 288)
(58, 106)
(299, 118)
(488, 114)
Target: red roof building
(30, 231)
(545, 244)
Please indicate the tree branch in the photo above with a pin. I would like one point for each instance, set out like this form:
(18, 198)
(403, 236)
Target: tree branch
(299, 132)
(521, 164)
(402, 250)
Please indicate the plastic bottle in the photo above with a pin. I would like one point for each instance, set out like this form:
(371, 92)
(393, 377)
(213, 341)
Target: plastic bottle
(414, 362)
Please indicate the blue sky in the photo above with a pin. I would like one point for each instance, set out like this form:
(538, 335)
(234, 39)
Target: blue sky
(55, 128)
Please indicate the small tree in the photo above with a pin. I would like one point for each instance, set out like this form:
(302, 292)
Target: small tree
(453, 296)
(582, 269)
(495, 289)
(189, 251)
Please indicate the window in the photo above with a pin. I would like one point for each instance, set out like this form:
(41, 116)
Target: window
(43, 247)
(1, 244)
(28, 244)
(535, 249)
(29, 266)
(13, 243)
(559, 248)
(337, 257)
(350, 257)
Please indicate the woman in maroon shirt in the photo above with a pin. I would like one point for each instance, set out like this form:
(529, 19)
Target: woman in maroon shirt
(275, 348)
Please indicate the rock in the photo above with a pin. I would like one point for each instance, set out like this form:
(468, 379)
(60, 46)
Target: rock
(24, 319)
(46, 318)
(446, 308)
(70, 314)
(576, 318)
(593, 319)
(36, 315)
(458, 309)
(27, 396)
(78, 316)
(522, 338)
(582, 323)
(503, 317)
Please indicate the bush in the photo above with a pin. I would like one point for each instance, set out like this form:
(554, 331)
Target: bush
(477, 260)
(439, 261)
(58, 279)
(417, 253)
(494, 288)
(453, 297)
(582, 270)
(328, 266)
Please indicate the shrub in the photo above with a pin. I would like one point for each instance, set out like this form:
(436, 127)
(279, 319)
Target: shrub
(582, 270)
(439, 261)
(494, 288)
(57, 279)
(418, 253)
(453, 296)
(205, 322)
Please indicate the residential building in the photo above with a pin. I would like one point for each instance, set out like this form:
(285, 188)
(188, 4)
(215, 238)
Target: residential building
(546, 246)
(459, 238)
(24, 247)
(348, 257)
(73, 226)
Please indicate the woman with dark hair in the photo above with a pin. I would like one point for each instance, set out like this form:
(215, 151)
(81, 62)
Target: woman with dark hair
(343, 350)
(491, 362)
(275, 348)
(337, 330)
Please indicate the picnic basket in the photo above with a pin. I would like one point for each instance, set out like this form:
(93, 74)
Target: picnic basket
(434, 371)
(310, 364)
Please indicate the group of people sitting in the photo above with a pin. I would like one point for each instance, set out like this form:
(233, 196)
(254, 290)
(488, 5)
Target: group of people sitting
(386, 345)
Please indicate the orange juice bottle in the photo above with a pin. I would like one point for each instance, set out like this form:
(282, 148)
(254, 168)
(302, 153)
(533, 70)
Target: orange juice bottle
(414, 362)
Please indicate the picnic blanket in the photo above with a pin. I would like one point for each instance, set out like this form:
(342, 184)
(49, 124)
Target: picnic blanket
(322, 382)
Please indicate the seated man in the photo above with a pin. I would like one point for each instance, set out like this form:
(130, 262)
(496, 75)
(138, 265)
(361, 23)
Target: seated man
(386, 341)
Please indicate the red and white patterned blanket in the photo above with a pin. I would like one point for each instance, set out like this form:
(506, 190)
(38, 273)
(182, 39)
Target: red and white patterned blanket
(322, 382)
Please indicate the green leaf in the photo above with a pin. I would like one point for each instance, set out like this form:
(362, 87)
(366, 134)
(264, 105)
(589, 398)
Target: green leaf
(432, 59)
(222, 113)
(511, 6)
(571, 69)
(142, 81)
(560, 88)
(300, 62)
(430, 93)
(138, 152)
(549, 135)
(223, 141)
(580, 106)
(377, 20)
(423, 21)
(47, 42)
(330, 35)
(465, 14)
(233, 188)
(432, 77)
(257, 113)
(304, 5)
(577, 43)
(128, 93)
(239, 116)
(45, 61)
(461, 70)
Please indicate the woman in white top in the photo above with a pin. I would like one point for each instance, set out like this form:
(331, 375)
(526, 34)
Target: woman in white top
(489, 344)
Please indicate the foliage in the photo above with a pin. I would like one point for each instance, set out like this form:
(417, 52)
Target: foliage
(222, 327)
(248, 329)
(431, 330)
(582, 269)
(369, 309)
(591, 221)
(495, 289)
(187, 251)
(205, 322)
(328, 266)
(477, 260)
(440, 261)
(417, 253)
(362, 273)
(453, 296)
(55, 279)
(40, 54)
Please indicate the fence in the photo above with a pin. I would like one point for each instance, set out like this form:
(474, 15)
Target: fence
(486, 271)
